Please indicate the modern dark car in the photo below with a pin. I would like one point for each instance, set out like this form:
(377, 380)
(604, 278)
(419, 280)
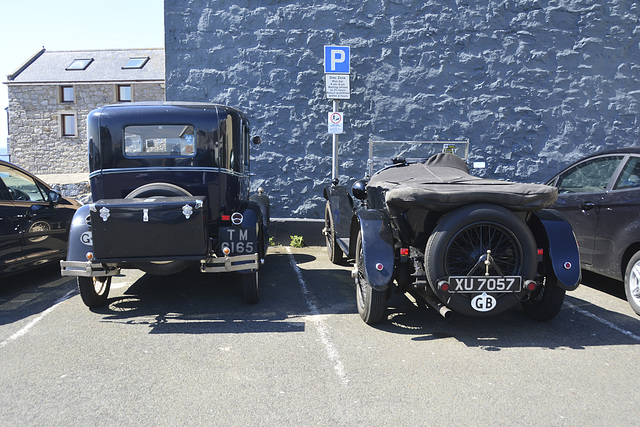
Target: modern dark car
(34, 221)
(600, 196)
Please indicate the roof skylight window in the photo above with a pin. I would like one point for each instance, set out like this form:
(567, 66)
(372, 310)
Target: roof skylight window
(137, 62)
(79, 64)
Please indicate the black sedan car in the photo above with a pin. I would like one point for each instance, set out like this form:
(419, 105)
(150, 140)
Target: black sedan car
(600, 196)
(34, 221)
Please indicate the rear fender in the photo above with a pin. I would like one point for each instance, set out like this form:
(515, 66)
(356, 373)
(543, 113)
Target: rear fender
(555, 236)
(80, 238)
(377, 247)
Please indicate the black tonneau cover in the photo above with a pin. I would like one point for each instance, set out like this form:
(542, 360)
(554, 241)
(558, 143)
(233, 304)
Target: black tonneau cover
(443, 183)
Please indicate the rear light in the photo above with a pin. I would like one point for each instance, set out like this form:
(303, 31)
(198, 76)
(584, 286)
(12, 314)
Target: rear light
(226, 217)
(530, 285)
(404, 251)
(444, 286)
(540, 252)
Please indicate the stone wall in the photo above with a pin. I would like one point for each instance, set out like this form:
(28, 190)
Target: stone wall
(35, 141)
(533, 84)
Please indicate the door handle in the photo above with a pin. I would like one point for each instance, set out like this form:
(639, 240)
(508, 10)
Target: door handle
(587, 206)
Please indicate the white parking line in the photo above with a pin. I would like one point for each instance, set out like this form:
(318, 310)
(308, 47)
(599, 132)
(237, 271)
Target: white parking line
(321, 326)
(31, 324)
(603, 321)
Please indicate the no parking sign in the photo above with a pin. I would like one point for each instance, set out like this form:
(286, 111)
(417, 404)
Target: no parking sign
(335, 122)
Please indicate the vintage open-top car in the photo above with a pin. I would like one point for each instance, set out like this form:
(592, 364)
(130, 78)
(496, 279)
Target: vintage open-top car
(170, 188)
(423, 224)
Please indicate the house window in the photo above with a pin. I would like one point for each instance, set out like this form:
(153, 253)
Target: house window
(66, 94)
(79, 64)
(124, 93)
(68, 124)
(136, 63)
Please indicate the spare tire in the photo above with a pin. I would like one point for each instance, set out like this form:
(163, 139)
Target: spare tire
(159, 189)
(469, 234)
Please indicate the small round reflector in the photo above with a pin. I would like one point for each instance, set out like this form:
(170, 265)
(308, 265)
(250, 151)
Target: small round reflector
(379, 267)
(89, 256)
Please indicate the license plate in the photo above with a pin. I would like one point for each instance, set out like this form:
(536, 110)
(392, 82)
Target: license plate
(239, 240)
(474, 284)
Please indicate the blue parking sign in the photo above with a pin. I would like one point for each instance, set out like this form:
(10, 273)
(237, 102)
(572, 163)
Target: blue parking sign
(336, 59)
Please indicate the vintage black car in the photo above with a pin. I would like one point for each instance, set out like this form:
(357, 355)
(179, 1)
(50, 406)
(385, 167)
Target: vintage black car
(464, 244)
(170, 188)
(600, 196)
(34, 221)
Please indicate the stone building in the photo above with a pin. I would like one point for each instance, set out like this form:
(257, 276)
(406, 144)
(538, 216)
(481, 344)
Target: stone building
(532, 84)
(51, 94)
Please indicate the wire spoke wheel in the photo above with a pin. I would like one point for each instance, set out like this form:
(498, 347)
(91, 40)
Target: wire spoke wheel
(473, 243)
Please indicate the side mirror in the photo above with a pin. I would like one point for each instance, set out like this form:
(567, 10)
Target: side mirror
(359, 189)
(257, 140)
(54, 197)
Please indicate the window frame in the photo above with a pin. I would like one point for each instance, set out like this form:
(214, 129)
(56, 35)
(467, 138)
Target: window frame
(63, 99)
(119, 93)
(64, 131)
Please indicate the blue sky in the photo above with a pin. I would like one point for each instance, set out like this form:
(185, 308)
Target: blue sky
(28, 25)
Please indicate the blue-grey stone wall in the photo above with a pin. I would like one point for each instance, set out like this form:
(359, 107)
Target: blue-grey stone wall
(533, 84)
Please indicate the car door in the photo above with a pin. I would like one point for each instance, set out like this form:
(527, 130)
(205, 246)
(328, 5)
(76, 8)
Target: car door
(581, 193)
(618, 220)
(41, 226)
(10, 236)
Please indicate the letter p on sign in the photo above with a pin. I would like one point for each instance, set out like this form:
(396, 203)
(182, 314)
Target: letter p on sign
(336, 59)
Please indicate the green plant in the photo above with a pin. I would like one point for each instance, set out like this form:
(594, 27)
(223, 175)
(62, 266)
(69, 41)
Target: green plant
(297, 241)
(272, 241)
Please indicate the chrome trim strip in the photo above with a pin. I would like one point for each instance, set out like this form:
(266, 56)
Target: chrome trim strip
(167, 169)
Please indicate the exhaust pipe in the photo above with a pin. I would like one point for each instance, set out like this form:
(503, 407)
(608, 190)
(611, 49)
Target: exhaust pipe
(438, 306)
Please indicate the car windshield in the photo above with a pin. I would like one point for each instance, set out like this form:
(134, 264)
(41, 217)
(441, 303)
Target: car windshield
(382, 153)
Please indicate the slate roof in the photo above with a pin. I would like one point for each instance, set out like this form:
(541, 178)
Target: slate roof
(50, 67)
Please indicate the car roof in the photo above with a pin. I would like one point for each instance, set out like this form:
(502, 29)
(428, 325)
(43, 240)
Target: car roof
(625, 150)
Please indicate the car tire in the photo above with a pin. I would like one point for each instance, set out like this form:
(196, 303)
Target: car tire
(372, 303)
(94, 291)
(460, 240)
(250, 287)
(159, 189)
(632, 282)
(546, 301)
(333, 250)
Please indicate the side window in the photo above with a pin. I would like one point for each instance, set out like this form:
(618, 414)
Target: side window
(630, 176)
(20, 186)
(591, 176)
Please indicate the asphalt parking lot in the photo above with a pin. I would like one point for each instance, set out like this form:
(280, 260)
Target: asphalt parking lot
(185, 350)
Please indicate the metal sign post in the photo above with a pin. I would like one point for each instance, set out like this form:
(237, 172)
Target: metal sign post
(334, 158)
(337, 86)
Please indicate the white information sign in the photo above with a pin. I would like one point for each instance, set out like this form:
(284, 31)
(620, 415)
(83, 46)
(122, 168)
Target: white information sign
(337, 86)
(335, 122)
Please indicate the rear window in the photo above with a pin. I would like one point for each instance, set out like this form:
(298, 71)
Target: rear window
(159, 141)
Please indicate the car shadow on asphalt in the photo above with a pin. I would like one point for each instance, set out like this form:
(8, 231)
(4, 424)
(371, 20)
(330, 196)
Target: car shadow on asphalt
(195, 303)
(192, 302)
